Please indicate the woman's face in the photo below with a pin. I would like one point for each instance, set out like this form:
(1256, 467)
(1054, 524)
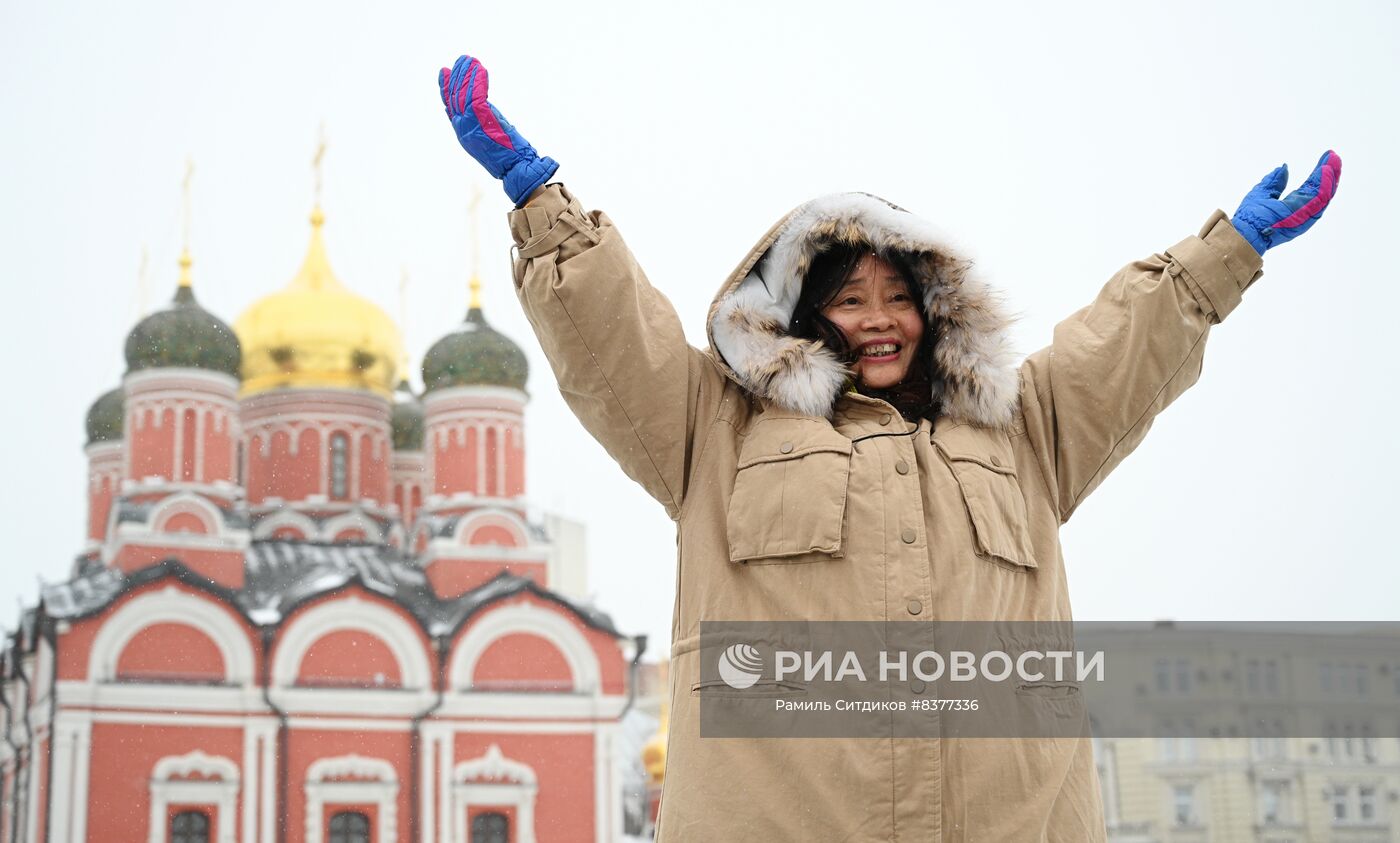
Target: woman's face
(880, 321)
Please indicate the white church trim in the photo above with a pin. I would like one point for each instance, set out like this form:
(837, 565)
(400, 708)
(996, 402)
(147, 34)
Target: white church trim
(493, 516)
(187, 502)
(533, 620)
(286, 518)
(217, 787)
(349, 520)
(352, 780)
(494, 781)
(352, 613)
(170, 605)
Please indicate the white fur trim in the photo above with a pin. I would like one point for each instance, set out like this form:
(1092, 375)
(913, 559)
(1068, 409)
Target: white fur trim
(975, 366)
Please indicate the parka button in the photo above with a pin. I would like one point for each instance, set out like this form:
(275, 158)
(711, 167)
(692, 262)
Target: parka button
(786, 447)
(886, 418)
(996, 461)
(917, 686)
(915, 607)
(908, 535)
(902, 467)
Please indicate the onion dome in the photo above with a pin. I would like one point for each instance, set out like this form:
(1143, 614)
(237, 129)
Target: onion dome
(406, 419)
(315, 333)
(106, 417)
(654, 751)
(474, 354)
(182, 335)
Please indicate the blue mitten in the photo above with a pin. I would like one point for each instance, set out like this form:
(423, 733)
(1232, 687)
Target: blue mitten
(487, 136)
(1266, 221)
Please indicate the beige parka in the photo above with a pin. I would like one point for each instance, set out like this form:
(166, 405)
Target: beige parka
(794, 500)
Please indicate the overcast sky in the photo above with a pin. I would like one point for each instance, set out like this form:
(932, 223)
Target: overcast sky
(1057, 141)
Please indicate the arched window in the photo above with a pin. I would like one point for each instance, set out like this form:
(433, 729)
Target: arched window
(340, 461)
(189, 827)
(490, 827)
(349, 827)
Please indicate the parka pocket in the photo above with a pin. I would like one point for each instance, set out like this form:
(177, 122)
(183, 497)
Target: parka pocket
(992, 495)
(789, 498)
(762, 689)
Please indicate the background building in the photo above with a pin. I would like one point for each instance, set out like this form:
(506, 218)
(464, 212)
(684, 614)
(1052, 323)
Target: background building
(313, 605)
(1342, 786)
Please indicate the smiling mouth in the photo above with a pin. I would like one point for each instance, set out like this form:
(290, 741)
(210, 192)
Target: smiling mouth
(879, 351)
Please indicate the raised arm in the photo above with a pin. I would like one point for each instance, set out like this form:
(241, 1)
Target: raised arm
(614, 342)
(1090, 396)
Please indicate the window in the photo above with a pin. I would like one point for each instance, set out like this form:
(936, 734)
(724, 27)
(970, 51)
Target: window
(189, 827)
(349, 827)
(1273, 802)
(1271, 678)
(1339, 804)
(1184, 804)
(1174, 744)
(1164, 677)
(1270, 741)
(490, 827)
(1183, 675)
(1366, 803)
(340, 457)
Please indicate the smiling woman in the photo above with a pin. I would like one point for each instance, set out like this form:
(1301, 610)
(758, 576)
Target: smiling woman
(860, 443)
(866, 308)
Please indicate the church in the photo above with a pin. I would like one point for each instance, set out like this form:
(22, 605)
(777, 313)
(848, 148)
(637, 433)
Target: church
(314, 606)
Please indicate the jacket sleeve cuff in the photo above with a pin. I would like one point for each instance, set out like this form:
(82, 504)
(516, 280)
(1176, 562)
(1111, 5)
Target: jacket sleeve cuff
(540, 217)
(1217, 265)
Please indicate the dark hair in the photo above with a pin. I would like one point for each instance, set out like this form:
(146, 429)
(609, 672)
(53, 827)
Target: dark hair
(830, 270)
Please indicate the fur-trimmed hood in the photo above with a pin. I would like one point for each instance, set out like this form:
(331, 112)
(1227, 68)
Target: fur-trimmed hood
(975, 377)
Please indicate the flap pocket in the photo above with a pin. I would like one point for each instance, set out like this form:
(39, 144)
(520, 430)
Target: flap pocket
(762, 689)
(992, 494)
(789, 498)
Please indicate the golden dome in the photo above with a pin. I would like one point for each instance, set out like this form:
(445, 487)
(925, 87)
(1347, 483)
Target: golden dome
(316, 333)
(654, 751)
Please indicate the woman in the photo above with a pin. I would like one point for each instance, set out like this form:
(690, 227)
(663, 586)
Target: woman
(858, 443)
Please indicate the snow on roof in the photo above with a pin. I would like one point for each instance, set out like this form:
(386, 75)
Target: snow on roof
(281, 575)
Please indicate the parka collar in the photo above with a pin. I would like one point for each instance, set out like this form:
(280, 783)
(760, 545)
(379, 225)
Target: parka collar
(975, 378)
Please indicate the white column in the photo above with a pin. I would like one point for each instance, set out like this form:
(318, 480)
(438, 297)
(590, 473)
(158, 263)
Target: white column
(480, 458)
(356, 460)
(269, 782)
(249, 784)
(127, 433)
(33, 781)
(178, 434)
(501, 460)
(427, 746)
(82, 755)
(325, 467)
(199, 431)
(235, 436)
(448, 819)
(604, 797)
(62, 783)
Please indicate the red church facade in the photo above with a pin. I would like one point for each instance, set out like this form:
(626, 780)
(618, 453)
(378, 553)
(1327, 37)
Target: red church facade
(313, 608)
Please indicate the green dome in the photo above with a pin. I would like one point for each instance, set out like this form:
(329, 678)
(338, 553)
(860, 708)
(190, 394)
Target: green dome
(182, 335)
(106, 417)
(406, 418)
(474, 354)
